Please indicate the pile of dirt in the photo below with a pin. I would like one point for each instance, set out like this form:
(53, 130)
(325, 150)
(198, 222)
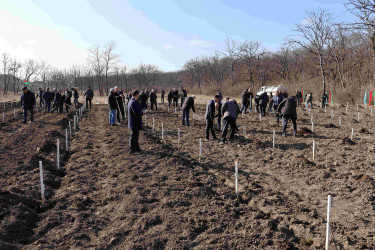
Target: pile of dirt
(331, 125)
(304, 131)
(364, 131)
(347, 141)
(363, 178)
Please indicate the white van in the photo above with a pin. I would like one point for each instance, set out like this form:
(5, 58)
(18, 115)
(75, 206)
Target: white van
(272, 89)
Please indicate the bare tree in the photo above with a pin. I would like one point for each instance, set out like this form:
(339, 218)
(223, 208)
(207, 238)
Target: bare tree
(43, 72)
(14, 69)
(96, 62)
(231, 55)
(110, 59)
(250, 52)
(314, 35)
(6, 60)
(30, 69)
(124, 75)
(195, 70)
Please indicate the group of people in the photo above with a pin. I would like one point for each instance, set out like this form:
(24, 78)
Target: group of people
(174, 95)
(53, 101)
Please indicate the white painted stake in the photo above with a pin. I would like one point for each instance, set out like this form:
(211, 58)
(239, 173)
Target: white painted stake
(358, 116)
(312, 118)
(145, 120)
(260, 117)
(337, 106)
(243, 114)
(328, 221)
(175, 110)
(153, 124)
(346, 110)
(179, 137)
(66, 140)
(236, 177)
(313, 150)
(200, 149)
(162, 107)
(331, 114)
(58, 153)
(340, 121)
(312, 127)
(3, 117)
(162, 132)
(41, 181)
(14, 113)
(244, 130)
(75, 124)
(357, 107)
(351, 138)
(70, 131)
(274, 139)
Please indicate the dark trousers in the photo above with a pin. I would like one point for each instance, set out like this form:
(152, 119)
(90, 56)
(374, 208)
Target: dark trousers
(143, 105)
(134, 137)
(210, 128)
(31, 114)
(182, 101)
(68, 103)
(175, 103)
(152, 105)
(244, 107)
(299, 101)
(56, 106)
(87, 103)
(162, 99)
(76, 103)
(286, 118)
(277, 115)
(169, 103)
(48, 106)
(41, 103)
(232, 122)
(185, 118)
(263, 109)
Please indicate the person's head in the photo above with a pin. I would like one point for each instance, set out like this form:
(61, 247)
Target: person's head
(227, 98)
(72, 89)
(135, 94)
(249, 90)
(277, 93)
(40, 89)
(112, 90)
(116, 89)
(174, 89)
(89, 87)
(217, 98)
(182, 88)
(54, 89)
(152, 91)
(193, 96)
(25, 90)
(47, 89)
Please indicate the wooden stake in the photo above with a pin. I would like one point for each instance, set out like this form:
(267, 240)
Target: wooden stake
(236, 177)
(328, 221)
(274, 139)
(179, 137)
(41, 181)
(162, 132)
(66, 140)
(313, 150)
(58, 153)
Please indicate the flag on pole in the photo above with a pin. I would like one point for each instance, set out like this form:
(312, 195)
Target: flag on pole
(331, 97)
(303, 97)
(327, 99)
(26, 83)
(365, 99)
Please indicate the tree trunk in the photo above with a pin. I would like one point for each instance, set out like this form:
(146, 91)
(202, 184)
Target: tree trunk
(322, 72)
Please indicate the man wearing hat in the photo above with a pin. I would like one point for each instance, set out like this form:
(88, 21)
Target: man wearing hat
(28, 104)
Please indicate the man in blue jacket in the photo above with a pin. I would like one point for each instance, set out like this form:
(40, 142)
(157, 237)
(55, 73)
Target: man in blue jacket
(28, 103)
(47, 97)
(210, 115)
(89, 96)
(135, 114)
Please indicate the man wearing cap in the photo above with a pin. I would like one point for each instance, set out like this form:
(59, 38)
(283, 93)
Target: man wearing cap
(28, 104)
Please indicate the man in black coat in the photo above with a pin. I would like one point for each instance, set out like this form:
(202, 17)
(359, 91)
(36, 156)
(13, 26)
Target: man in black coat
(251, 96)
(229, 111)
(135, 114)
(175, 97)
(263, 101)
(143, 97)
(40, 95)
(113, 107)
(183, 95)
(153, 100)
(120, 104)
(210, 115)
(162, 94)
(89, 96)
(288, 108)
(28, 103)
(170, 98)
(188, 104)
(68, 99)
(244, 101)
(56, 101)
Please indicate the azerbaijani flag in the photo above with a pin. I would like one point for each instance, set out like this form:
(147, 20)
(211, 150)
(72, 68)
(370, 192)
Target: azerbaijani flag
(365, 99)
(370, 100)
(302, 98)
(26, 82)
(331, 97)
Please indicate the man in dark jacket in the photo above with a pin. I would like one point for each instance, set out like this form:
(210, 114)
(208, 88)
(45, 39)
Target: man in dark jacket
(40, 95)
(324, 99)
(183, 95)
(188, 104)
(120, 104)
(28, 103)
(244, 101)
(162, 94)
(153, 100)
(263, 100)
(299, 97)
(210, 115)
(143, 97)
(56, 100)
(277, 99)
(229, 111)
(251, 96)
(75, 96)
(113, 106)
(62, 101)
(89, 96)
(68, 99)
(175, 97)
(48, 98)
(256, 100)
(218, 106)
(288, 108)
(135, 114)
(170, 98)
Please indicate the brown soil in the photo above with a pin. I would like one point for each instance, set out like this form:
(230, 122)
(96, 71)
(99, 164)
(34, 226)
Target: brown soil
(331, 126)
(163, 198)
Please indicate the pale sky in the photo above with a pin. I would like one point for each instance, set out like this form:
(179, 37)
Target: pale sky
(162, 32)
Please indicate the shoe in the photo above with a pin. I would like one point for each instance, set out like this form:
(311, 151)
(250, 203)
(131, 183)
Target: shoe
(231, 140)
(206, 139)
(284, 135)
(132, 151)
(24, 122)
(222, 143)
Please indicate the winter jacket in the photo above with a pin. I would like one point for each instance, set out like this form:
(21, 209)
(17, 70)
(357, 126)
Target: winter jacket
(210, 110)
(112, 102)
(28, 100)
(188, 104)
(263, 99)
(135, 114)
(288, 107)
(230, 108)
(89, 94)
(47, 96)
(245, 97)
(153, 97)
